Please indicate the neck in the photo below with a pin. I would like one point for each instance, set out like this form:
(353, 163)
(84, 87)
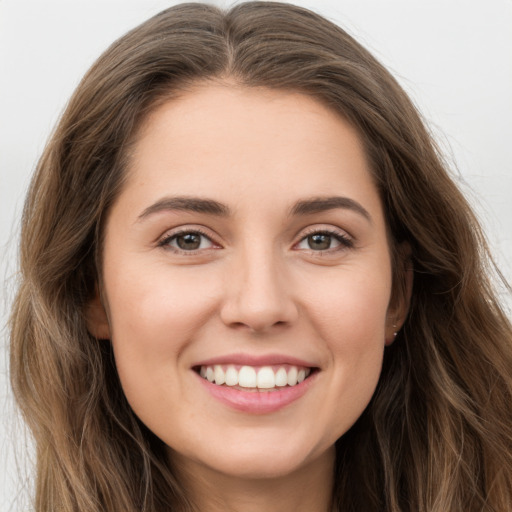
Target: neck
(308, 488)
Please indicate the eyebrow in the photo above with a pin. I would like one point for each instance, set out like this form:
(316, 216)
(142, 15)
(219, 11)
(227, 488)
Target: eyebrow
(212, 207)
(185, 203)
(322, 204)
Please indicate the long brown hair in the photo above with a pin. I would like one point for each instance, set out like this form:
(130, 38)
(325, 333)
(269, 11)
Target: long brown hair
(437, 435)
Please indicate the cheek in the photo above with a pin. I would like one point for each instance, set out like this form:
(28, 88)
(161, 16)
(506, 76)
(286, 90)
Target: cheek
(154, 317)
(352, 325)
(157, 306)
(350, 319)
(351, 307)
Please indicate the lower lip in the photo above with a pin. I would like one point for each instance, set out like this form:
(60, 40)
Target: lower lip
(258, 402)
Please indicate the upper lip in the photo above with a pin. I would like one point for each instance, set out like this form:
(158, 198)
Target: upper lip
(256, 360)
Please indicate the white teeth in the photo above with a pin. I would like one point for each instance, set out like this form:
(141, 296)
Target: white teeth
(248, 377)
(266, 378)
(281, 377)
(220, 378)
(231, 376)
(292, 376)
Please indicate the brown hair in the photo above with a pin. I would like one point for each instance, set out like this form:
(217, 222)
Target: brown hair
(437, 435)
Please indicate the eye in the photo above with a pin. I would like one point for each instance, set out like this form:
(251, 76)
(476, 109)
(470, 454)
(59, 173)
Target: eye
(324, 241)
(187, 241)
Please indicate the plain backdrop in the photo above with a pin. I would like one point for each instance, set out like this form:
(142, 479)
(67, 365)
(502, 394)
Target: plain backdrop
(454, 57)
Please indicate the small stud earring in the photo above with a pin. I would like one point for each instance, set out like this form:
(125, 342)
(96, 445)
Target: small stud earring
(395, 334)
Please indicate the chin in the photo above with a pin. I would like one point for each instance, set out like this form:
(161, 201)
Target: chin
(257, 460)
(262, 466)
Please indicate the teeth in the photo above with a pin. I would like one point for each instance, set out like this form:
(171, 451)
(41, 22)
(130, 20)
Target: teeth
(281, 377)
(218, 372)
(292, 376)
(247, 377)
(265, 377)
(231, 376)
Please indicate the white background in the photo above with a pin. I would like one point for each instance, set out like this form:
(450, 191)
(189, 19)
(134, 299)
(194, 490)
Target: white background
(454, 57)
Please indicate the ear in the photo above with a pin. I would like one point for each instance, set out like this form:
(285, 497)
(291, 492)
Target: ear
(402, 293)
(96, 318)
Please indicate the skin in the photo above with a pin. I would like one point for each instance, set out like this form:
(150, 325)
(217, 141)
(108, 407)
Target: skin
(254, 286)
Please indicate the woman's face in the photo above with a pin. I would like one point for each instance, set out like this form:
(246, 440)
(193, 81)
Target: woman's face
(247, 252)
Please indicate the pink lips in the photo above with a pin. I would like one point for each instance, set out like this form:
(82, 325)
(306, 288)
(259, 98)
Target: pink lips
(255, 401)
(245, 359)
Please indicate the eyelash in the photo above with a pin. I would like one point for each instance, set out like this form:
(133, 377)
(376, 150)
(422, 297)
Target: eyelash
(344, 240)
(166, 241)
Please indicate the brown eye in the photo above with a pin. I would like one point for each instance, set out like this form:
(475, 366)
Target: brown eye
(319, 241)
(187, 241)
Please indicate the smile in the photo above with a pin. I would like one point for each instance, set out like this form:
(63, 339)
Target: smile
(253, 377)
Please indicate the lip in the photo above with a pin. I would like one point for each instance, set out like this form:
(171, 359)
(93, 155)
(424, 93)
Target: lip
(256, 401)
(254, 360)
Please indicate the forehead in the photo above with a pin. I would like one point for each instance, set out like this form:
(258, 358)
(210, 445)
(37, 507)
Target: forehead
(222, 138)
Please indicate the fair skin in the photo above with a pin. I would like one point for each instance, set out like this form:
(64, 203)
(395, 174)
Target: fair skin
(249, 233)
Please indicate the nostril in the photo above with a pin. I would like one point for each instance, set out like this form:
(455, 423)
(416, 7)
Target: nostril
(261, 328)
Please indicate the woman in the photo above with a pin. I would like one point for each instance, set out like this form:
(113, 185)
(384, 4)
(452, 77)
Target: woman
(248, 283)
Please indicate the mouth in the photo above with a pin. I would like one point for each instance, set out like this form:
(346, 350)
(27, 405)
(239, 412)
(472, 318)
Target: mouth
(255, 378)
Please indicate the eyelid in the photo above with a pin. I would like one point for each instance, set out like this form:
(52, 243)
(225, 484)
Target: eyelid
(346, 240)
(163, 241)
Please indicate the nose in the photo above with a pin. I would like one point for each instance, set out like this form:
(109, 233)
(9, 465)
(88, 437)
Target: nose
(258, 294)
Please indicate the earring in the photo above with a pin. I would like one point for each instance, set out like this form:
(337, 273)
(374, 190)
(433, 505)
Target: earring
(395, 334)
